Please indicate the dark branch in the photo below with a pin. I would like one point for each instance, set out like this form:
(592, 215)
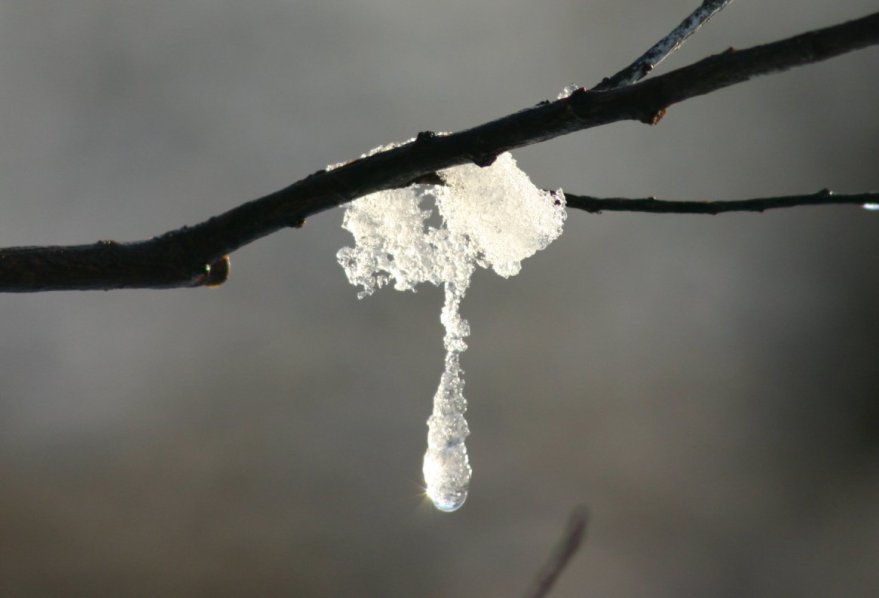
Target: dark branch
(105, 265)
(181, 258)
(825, 197)
(664, 47)
(566, 548)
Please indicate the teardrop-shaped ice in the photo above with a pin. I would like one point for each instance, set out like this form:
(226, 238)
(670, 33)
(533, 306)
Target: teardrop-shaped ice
(446, 466)
(447, 475)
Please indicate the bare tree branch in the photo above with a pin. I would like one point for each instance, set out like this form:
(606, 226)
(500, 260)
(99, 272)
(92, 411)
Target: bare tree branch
(561, 555)
(664, 47)
(825, 197)
(193, 256)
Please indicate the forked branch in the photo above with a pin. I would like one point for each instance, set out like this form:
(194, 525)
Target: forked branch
(664, 47)
(196, 256)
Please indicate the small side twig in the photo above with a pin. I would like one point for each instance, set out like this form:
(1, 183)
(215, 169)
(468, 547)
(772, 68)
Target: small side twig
(561, 555)
(664, 47)
(825, 197)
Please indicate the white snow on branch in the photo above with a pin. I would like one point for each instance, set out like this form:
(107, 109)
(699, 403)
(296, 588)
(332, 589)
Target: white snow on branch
(492, 217)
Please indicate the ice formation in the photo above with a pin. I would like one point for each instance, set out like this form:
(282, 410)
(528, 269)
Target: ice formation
(567, 91)
(493, 217)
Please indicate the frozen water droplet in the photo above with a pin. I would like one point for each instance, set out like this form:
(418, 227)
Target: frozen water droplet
(873, 207)
(446, 466)
(447, 475)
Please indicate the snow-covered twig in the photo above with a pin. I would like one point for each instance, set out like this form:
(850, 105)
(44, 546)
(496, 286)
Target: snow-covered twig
(196, 255)
(566, 548)
(664, 47)
(825, 197)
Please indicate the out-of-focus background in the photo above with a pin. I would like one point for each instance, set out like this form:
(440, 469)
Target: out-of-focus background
(706, 385)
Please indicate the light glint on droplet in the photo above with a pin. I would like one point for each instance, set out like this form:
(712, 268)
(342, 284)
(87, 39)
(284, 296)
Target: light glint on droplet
(447, 475)
(873, 207)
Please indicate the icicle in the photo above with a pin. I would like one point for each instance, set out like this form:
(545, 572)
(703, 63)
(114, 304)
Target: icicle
(446, 466)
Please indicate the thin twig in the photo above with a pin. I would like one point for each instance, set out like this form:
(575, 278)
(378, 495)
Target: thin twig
(561, 555)
(189, 256)
(825, 197)
(664, 47)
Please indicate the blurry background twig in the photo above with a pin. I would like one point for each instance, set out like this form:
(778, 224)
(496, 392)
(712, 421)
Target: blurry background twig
(562, 553)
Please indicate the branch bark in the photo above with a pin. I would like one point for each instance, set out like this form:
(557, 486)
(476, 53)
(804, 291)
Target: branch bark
(196, 256)
(664, 47)
(825, 197)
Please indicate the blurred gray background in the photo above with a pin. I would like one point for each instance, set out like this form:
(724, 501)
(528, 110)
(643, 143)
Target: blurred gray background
(706, 385)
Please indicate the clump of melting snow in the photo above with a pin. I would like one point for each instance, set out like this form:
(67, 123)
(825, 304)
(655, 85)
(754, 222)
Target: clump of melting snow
(493, 217)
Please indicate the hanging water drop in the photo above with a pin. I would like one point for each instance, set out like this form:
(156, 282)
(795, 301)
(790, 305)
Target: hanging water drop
(446, 466)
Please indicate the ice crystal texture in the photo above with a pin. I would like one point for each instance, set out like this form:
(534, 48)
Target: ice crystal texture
(493, 217)
(567, 91)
